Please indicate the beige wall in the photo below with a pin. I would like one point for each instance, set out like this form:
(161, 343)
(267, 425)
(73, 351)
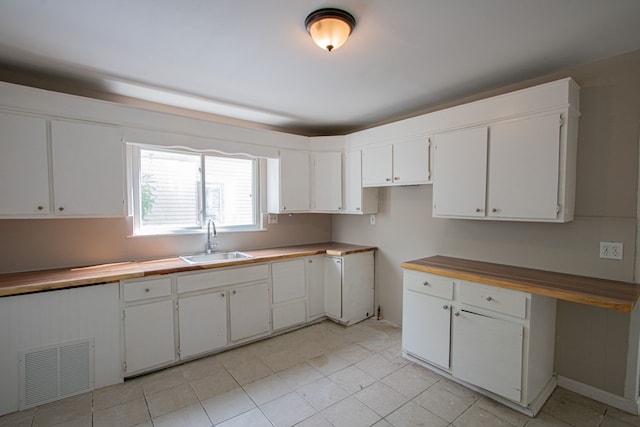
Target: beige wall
(50, 243)
(591, 342)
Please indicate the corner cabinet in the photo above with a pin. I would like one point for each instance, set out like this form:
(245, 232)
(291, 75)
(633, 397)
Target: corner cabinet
(86, 163)
(327, 182)
(289, 182)
(497, 341)
(349, 287)
(400, 163)
(357, 200)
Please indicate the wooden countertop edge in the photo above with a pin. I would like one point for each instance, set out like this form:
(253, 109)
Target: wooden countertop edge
(46, 280)
(559, 293)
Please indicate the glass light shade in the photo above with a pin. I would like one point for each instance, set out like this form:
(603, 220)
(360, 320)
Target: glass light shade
(329, 33)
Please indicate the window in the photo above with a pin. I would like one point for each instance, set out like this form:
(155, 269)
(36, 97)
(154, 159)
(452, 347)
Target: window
(179, 191)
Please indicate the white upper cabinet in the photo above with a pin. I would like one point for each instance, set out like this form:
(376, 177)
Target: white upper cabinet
(288, 182)
(86, 163)
(509, 170)
(400, 163)
(88, 169)
(327, 181)
(24, 166)
(357, 200)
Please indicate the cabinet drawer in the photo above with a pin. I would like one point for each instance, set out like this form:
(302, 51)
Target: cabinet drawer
(493, 298)
(215, 279)
(426, 283)
(134, 291)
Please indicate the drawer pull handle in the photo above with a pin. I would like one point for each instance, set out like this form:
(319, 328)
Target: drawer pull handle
(489, 298)
(446, 307)
(426, 284)
(457, 313)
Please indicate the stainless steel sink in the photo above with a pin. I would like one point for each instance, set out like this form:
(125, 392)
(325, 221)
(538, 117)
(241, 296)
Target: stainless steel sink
(214, 257)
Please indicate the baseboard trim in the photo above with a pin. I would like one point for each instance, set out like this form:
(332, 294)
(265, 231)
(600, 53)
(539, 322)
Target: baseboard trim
(627, 405)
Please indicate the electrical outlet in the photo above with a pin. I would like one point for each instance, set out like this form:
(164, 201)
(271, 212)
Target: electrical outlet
(272, 219)
(372, 219)
(611, 250)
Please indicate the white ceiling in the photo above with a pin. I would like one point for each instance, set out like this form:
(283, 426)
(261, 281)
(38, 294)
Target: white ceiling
(253, 60)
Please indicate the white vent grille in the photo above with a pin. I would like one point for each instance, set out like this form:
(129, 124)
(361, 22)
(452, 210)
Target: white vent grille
(54, 372)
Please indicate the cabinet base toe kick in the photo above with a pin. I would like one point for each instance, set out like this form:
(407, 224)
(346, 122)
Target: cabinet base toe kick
(531, 409)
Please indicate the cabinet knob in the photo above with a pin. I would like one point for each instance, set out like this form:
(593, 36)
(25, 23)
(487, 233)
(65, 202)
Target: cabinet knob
(61, 208)
(457, 313)
(478, 209)
(146, 289)
(426, 284)
(357, 209)
(387, 179)
(222, 295)
(40, 208)
(284, 208)
(397, 178)
(310, 261)
(234, 292)
(494, 210)
(446, 307)
(489, 298)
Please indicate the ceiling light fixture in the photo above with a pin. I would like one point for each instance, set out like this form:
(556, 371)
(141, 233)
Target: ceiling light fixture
(329, 28)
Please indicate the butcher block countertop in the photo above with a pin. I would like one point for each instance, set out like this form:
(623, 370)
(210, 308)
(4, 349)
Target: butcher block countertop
(612, 294)
(45, 280)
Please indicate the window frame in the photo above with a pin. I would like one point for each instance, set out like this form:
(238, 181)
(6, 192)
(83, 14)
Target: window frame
(134, 191)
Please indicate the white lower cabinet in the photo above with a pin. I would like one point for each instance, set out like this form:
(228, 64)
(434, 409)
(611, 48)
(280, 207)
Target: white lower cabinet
(148, 316)
(288, 279)
(315, 287)
(349, 285)
(249, 314)
(202, 323)
(498, 341)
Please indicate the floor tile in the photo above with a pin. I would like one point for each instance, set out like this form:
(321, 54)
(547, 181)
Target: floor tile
(202, 368)
(236, 356)
(191, 416)
(408, 381)
(18, 419)
(282, 359)
(350, 412)
(570, 409)
(634, 420)
(253, 418)
(300, 375)
(310, 349)
(379, 367)
(413, 414)
(82, 421)
(63, 410)
(163, 380)
(171, 399)
(329, 363)
(250, 371)
(381, 398)
(125, 414)
(546, 420)
(322, 393)
(228, 405)
(352, 379)
(513, 417)
(218, 383)
(613, 422)
(383, 423)
(353, 353)
(443, 403)
(315, 421)
(288, 410)
(117, 394)
(267, 389)
(478, 417)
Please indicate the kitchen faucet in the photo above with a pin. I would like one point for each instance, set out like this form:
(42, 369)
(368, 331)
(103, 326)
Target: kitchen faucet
(211, 246)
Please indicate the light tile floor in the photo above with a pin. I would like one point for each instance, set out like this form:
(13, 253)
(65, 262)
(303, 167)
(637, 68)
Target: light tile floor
(321, 375)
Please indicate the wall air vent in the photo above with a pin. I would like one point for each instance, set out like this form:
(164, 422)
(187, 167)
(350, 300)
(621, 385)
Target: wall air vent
(54, 372)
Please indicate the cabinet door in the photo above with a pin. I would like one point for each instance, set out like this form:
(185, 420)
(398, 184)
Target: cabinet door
(88, 169)
(288, 280)
(411, 162)
(358, 284)
(524, 157)
(357, 200)
(460, 173)
(203, 323)
(24, 167)
(295, 184)
(149, 336)
(377, 166)
(487, 352)
(333, 286)
(315, 282)
(249, 311)
(327, 181)
(426, 327)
